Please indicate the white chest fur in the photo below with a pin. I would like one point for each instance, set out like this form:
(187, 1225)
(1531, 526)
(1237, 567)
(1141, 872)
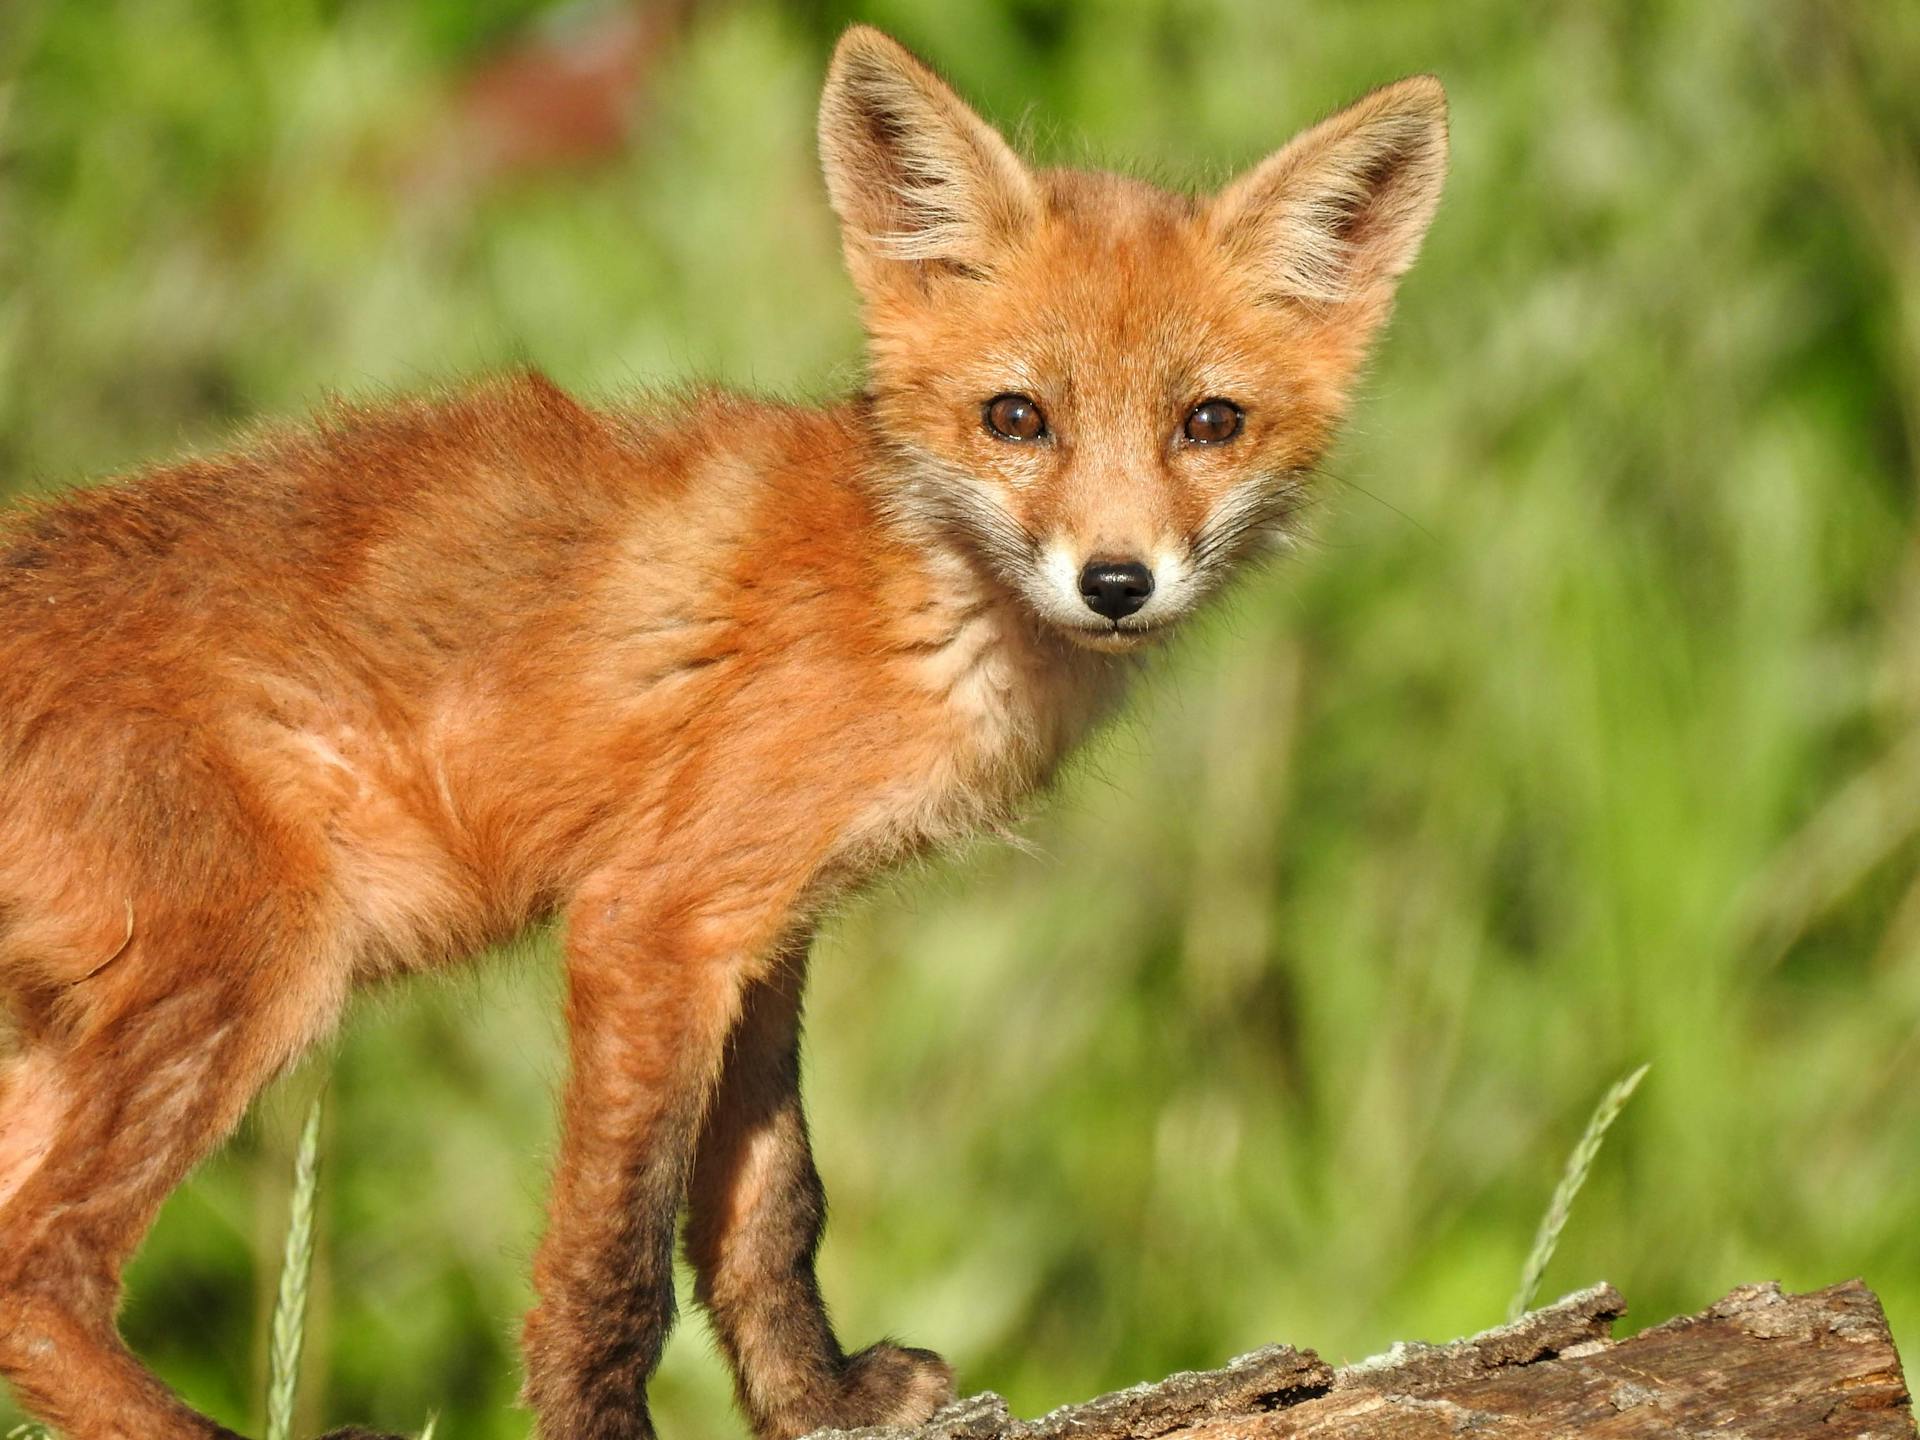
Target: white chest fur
(1006, 701)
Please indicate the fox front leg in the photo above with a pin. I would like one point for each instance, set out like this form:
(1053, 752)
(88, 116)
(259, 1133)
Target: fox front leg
(653, 990)
(755, 1215)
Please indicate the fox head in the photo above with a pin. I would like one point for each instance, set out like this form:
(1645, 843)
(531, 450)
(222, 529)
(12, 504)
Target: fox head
(1112, 392)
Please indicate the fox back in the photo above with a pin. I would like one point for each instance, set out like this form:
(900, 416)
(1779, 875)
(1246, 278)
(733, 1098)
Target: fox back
(365, 695)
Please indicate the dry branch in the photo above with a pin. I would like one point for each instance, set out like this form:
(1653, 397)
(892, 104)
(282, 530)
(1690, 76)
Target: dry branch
(1758, 1364)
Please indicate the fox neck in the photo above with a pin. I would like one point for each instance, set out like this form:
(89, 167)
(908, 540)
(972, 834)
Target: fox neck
(1019, 696)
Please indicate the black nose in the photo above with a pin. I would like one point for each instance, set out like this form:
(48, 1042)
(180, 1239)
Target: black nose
(1115, 588)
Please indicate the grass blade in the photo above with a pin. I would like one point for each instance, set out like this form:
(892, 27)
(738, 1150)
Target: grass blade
(296, 1273)
(1547, 1239)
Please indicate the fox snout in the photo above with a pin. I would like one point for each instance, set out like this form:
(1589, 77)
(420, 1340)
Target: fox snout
(1115, 589)
(1109, 596)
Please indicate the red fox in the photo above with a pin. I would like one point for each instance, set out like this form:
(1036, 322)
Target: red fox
(365, 696)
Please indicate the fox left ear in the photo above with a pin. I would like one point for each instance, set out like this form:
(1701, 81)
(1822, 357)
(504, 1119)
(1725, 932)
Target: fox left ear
(921, 184)
(1338, 213)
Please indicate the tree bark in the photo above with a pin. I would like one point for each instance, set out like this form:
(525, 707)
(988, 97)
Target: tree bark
(1759, 1365)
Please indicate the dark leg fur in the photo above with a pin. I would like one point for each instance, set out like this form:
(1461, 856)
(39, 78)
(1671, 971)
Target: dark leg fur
(757, 1209)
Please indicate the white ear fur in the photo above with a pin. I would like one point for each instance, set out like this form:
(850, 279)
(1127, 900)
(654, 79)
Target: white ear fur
(1342, 208)
(915, 176)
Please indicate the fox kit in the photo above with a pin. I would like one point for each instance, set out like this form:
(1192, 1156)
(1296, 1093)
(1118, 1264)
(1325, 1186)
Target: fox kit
(364, 697)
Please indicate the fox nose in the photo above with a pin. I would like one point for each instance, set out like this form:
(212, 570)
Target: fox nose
(1115, 588)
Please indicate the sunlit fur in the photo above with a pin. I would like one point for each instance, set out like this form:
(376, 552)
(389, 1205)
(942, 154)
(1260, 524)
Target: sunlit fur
(359, 698)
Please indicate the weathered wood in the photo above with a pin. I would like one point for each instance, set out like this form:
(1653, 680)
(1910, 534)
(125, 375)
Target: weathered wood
(1760, 1365)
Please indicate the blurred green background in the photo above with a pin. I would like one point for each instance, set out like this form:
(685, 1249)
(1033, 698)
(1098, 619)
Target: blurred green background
(1583, 735)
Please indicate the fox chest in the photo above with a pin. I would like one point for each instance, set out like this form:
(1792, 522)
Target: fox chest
(984, 722)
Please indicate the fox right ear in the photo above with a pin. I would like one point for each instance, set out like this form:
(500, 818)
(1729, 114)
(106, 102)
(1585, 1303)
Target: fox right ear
(1338, 214)
(921, 184)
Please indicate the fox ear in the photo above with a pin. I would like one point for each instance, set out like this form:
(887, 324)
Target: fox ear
(1339, 212)
(921, 184)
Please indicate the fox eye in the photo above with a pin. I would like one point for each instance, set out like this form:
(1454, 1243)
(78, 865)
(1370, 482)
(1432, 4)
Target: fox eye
(1212, 421)
(1014, 417)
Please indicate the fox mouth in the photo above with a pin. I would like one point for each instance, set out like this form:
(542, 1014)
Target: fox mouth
(1113, 637)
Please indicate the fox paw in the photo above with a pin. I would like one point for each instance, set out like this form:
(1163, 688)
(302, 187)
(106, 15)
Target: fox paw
(888, 1384)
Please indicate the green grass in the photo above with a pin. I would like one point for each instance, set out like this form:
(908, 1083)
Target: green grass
(1581, 737)
(1553, 1224)
(286, 1333)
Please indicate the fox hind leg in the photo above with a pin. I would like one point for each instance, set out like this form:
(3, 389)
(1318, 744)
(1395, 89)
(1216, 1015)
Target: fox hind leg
(756, 1212)
(30, 1110)
(99, 1127)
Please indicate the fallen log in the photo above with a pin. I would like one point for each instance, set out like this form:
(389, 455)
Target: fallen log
(1760, 1363)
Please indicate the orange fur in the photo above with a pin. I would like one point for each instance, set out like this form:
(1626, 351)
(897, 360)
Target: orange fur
(362, 697)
